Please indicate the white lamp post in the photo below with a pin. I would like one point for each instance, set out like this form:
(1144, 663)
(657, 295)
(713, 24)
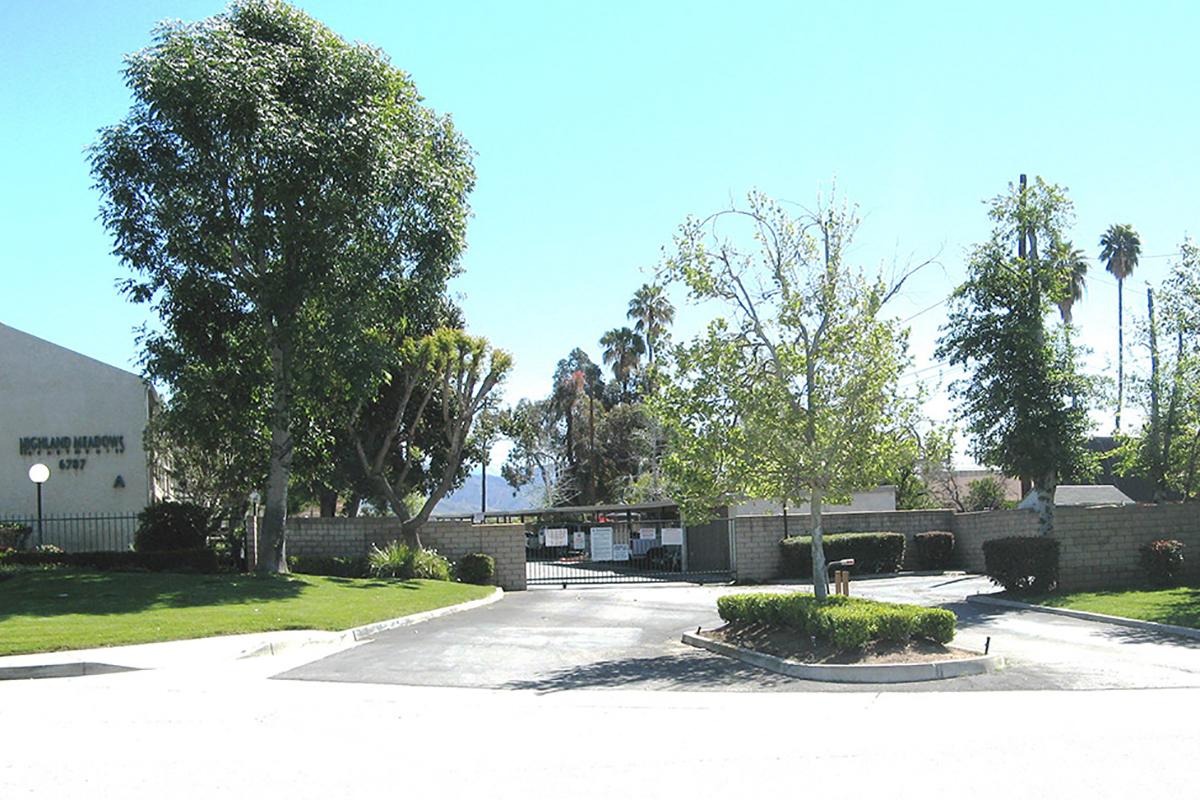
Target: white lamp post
(39, 474)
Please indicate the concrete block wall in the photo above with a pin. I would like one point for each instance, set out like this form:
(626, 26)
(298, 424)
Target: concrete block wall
(971, 530)
(350, 537)
(756, 539)
(1099, 546)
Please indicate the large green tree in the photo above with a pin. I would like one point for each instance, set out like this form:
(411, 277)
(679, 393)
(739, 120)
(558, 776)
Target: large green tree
(1166, 449)
(1025, 404)
(791, 393)
(272, 188)
(623, 351)
(1120, 249)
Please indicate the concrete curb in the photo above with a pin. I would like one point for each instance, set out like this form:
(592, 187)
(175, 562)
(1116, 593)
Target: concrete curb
(1156, 627)
(363, 632)
(851, 673)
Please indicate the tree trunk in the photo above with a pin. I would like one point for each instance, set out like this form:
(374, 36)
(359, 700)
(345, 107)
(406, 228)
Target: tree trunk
(329, 501)
(1120, 348)
(1044, 488)
(820, 572)
(272, 555)
(353, 505)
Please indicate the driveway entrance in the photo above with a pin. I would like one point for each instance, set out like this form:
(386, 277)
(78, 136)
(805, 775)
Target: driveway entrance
(606, 637)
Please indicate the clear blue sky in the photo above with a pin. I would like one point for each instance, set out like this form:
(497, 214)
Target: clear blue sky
(600, 127)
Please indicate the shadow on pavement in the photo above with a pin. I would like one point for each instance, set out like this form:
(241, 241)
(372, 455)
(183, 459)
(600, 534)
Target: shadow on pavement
(683, 671)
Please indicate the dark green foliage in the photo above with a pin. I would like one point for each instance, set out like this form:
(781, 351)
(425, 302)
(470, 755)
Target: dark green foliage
(1022, 563)
(935, 549)
(13, 535)
(477, 568)
(193, 560)
(398, 560)
(873, 553)
(333, 566)
(850, 623)
(171, 526)
(1162, 560)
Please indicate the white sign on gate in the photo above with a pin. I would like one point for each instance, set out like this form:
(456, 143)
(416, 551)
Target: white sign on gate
(556, 537)
(620, 552)
(579, 541)
(602, 544)
(672, 536)
(647, 533)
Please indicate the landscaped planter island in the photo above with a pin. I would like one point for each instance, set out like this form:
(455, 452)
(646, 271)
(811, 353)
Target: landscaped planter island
(840, 639)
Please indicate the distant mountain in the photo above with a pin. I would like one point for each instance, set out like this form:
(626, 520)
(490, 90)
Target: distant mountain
(500, 497)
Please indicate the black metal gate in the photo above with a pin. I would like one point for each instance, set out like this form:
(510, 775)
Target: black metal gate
(626, 551)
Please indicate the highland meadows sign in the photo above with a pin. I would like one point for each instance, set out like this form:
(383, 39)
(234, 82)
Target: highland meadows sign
(77, 445)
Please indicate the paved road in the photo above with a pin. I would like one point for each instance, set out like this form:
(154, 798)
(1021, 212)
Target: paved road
(221, 732)
(628, 637)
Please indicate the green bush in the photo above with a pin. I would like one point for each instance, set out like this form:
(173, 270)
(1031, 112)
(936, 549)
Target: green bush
(1162, 560)
(849, 623)
(333, 566)
(1022, 563)
(873, 553)
(985, 494)
(477, 568)
(13, 535)
(194, 560)
(171, 526)
(398, 560)
(427, 564)
(935, 549)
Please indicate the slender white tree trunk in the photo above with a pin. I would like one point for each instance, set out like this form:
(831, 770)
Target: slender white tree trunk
(820, 573)
(1044, 487)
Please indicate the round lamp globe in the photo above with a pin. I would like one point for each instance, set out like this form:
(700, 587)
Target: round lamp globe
(39, 473)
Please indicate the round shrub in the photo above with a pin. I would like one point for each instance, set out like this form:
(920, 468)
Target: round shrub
(1022, 563)
(171, 526)
(935, 624)
(935, 549)
(873, 553)
(477, 568)
(895, 625)
(1162, 560)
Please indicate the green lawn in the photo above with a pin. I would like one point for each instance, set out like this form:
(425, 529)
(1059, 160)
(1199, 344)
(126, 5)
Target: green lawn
(65, 610)
(1179, 605)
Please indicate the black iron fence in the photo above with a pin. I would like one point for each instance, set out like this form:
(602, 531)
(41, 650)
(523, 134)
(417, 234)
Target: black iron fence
(76, 533)
(644, 551)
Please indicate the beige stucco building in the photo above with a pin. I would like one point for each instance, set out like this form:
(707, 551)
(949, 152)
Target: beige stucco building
(80, 417)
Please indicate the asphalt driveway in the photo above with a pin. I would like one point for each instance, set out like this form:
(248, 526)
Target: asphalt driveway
(551, 639)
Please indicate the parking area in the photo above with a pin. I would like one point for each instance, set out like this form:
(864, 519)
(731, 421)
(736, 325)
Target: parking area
(552, 639)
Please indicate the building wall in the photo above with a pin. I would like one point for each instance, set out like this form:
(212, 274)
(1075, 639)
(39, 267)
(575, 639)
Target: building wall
(348, 537)
(92, 415)
(1099, 545)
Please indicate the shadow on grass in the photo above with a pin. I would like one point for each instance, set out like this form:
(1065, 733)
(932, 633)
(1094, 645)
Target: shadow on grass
(59, 592)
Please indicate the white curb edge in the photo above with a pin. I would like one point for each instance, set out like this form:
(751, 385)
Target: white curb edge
(851, 673)
(363, 632)
(1090, 616)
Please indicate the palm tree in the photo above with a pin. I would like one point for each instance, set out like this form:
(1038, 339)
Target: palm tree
(623, 350)
(1120, 248)
(1073, 263)
(651, 313)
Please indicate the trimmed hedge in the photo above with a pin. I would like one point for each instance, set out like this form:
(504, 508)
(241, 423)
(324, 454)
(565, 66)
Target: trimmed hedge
(194, 560)
(873, 553)
(935, 549)
(1162, 560)
(1022, 563)
(849, 623)
(332, 566)
(477, 568)
(171, 526)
